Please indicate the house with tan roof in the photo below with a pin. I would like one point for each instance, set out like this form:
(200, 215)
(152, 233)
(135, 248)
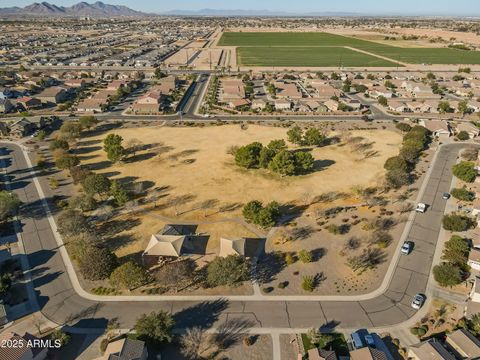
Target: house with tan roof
(429, 350)
(471, 129)
(246, 247)
(439, 128)
(125, 349)
(91, 105)
(150, 103)
(53, 95)
(474, 259)
(368, 353)
(232, 89)
(283, 104)
(320, 354)
(463, 344)
(287, 90)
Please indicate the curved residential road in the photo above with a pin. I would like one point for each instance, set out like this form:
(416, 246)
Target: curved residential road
(62, 301)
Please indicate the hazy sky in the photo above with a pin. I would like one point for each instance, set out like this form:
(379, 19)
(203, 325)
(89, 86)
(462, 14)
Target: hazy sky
(411, 7)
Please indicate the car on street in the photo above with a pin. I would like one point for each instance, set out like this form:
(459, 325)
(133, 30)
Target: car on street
(418, 301)
(446, 196)
(421, 207)
(407, 247)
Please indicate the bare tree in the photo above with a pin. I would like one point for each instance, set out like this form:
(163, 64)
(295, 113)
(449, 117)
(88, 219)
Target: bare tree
(133, 145)
(193, 343)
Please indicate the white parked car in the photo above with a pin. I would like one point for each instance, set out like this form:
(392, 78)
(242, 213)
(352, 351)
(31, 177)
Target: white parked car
(407, 247)
(421, 207)
(418, 301)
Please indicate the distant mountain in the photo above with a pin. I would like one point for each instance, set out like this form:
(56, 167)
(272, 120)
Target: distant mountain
(238, 12)
(97, 9)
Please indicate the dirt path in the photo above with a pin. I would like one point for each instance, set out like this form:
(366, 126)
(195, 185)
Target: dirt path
(375, 55)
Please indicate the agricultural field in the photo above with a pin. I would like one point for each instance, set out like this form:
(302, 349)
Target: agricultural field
(290, 43)
(306, 56)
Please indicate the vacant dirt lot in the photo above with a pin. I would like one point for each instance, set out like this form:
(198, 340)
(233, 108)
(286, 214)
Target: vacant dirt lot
(192, 165)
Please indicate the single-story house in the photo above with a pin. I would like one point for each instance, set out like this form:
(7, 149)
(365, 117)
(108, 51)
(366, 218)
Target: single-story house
(247, 247)
(24, 349)
(367, 353)
(398, 106)
(53, 95)
(125, 349)
(429, 350)
(21, 128)
(238, 103)
(149, 103)
(331, 105)
(474, 259)
(172, 241)
(463, 344)
(283, 104)
(258, 104)
(471, 129)
(438, 128)
(320, 354)
(91, 105)
(29, 103)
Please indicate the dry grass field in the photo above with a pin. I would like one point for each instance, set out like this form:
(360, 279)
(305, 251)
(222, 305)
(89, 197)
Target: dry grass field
(193, 163)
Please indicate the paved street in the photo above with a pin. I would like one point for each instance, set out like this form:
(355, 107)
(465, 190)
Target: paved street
(60, 303)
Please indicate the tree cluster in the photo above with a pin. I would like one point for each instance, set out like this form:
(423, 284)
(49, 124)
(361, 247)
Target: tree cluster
(465, 170)
(274, 157)
(264, 216)
(398, 168)
(227, 271)
(309, 137)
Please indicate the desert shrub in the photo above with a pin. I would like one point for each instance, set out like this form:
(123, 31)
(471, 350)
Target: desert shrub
(308, 283)
(305, 256)
(447, 274)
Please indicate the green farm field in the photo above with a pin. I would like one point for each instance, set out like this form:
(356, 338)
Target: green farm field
(247, 41)
(307, 56)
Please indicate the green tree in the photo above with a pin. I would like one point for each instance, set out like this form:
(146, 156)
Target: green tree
(266, 156)
(59, 144)
(66, 162)
(87, 122)
(248, 156)
(71, 130)
(396, 163)
(9, 205)
(295, 135)
(71, 222)
(283, 163)
(463, 194)
(347, 84)
(96, 184)
(304, 161)
(5, 283)
(120, 195)
(458, 223)
(463, 135)
(155, 328)
(129, 276)
(447, 274)
(382, 100)
(463, 107)
(465, 170)
(456, 251)
(227, 271)
(251, 210)
(397, 178)
(97, 263)
(113, 147)
(444, 107)
(313, 137)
